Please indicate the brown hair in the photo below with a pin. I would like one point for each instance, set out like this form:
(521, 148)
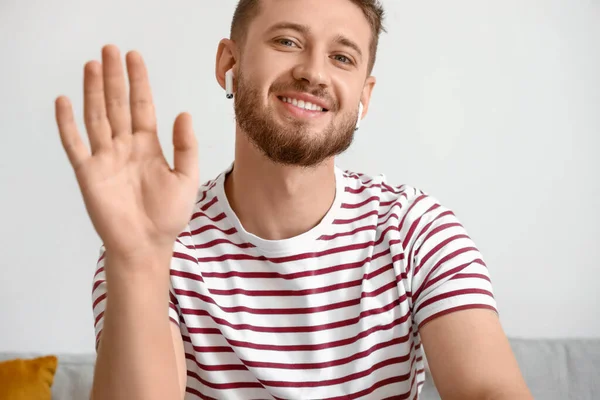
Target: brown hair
(247, 10)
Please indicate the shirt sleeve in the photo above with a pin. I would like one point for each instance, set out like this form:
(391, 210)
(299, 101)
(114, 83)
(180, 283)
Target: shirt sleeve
(447, 271)
(99, 296)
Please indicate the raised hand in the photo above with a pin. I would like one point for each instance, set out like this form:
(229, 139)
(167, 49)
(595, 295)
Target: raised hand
(136, 201)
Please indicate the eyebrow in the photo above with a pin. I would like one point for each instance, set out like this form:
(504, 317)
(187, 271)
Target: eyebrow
(305, 30)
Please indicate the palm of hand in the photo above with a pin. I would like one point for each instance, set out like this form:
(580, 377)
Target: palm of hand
(134, 199)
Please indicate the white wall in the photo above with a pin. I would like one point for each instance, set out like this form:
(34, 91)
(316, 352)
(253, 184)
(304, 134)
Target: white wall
(493, 107)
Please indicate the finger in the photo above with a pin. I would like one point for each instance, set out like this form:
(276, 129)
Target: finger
(185, 146)
(143, 117)
(76, 150)
(94, 109)
(115, 92)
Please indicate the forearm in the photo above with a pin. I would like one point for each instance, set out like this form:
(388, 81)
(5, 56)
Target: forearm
(511, 390)
(520, 394)
(511, 394)
(136, 359)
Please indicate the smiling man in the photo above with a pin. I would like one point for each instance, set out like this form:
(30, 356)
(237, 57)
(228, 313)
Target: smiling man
(284, 277)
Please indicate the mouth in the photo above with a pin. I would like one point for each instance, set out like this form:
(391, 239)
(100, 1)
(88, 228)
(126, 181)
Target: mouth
(302, 105)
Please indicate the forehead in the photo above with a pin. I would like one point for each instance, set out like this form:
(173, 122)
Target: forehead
(325, 18)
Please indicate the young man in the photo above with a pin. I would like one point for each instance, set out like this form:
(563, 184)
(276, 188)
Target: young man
(292, 279)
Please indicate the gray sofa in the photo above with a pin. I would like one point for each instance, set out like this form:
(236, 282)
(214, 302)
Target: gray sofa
(553, 369)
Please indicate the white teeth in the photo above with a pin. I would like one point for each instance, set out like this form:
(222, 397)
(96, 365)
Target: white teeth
(302, 104)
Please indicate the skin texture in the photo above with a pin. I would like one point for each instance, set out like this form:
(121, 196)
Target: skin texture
(291, 141)
(276, 60)
(286, 54)
(284, 160)
(138, 205)
(470, 357)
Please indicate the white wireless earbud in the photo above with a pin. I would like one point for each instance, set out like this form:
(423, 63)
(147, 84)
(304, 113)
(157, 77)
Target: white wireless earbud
(360, 111)
(229, 84)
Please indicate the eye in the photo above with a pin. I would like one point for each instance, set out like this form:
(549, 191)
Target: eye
(286, 42)
(343, 59)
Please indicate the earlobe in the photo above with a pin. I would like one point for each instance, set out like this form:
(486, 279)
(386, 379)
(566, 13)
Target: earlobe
(226, 61)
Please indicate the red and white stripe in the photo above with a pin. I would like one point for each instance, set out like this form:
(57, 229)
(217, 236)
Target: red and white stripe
(332, 314)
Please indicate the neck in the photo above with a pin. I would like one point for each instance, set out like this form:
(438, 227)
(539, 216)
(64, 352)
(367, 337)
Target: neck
(274, 201)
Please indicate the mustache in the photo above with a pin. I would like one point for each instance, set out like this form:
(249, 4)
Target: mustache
(303, 87)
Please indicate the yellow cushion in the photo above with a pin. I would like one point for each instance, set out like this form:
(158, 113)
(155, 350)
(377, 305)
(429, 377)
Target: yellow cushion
(27, 379)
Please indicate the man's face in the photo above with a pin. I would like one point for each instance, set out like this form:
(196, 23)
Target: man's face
(298, 52)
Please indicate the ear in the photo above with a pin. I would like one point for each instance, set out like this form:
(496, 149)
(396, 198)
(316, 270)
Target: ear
(365, 97)
(226, 60)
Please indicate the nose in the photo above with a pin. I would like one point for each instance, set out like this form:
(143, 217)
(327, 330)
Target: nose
(312, 70)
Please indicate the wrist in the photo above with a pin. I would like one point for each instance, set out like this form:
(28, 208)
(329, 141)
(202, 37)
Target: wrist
(144, 266)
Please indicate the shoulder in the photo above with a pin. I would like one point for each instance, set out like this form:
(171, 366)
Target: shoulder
(416, 214)
(407, 199)
(206, 216)
(207, 190)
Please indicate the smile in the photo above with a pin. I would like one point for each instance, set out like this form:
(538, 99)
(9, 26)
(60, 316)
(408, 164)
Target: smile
(303, 105)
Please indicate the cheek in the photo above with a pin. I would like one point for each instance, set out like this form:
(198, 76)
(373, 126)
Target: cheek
(348, 91)
(256, 75)
(252, 82)
(262, 61)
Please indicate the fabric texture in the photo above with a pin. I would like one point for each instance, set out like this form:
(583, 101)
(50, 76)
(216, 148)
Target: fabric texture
(554, 369)
(332, 313)
(22, 379)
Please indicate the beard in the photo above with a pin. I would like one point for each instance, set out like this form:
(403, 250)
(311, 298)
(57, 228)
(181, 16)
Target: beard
(292, 142)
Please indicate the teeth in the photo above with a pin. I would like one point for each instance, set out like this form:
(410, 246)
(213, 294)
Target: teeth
(302, 104)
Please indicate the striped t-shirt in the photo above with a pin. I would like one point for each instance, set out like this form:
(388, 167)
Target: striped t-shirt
(331, 314)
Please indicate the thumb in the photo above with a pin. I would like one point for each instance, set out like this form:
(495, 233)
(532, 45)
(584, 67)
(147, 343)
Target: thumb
(185, 146)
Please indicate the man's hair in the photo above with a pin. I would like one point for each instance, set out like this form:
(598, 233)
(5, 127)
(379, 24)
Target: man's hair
(247, 10)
